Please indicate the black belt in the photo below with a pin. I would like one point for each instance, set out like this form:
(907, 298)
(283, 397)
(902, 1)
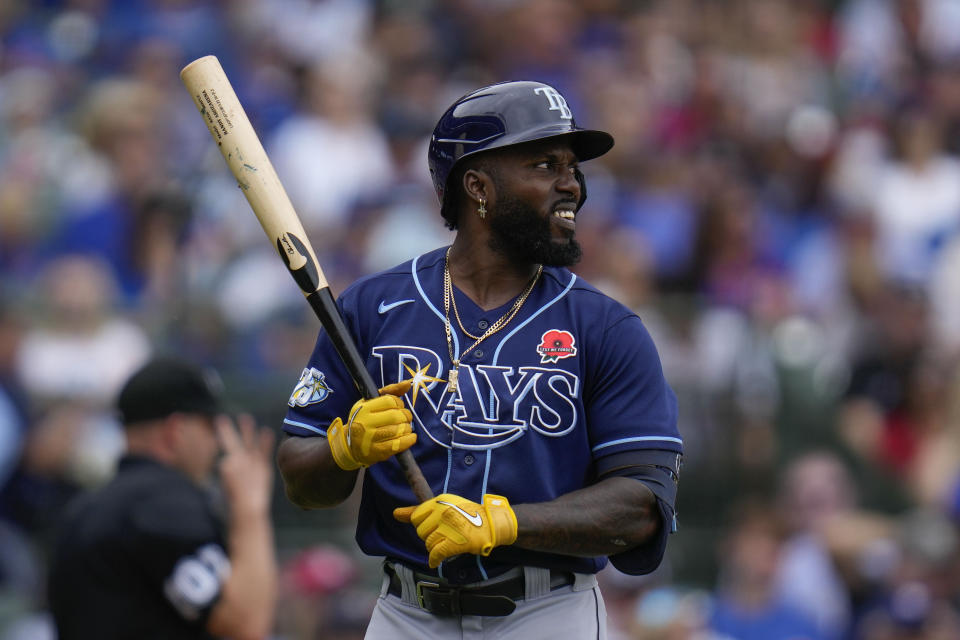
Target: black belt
(496, 599)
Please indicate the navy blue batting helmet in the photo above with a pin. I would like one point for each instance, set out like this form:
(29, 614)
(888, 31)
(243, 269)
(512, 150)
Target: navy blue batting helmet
(502, 115)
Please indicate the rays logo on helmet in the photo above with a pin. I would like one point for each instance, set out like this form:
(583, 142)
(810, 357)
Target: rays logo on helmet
(557, 101)
(310, 389)
(556, 344)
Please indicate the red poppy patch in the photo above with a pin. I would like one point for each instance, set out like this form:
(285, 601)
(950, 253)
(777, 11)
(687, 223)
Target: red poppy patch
(556, 344)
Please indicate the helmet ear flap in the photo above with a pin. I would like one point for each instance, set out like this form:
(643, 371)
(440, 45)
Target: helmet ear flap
(583, 187)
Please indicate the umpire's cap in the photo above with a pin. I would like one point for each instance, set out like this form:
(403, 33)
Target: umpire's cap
(501, 115)
(167, 385)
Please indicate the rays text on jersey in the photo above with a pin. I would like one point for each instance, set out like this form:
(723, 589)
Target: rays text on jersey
(493, 405)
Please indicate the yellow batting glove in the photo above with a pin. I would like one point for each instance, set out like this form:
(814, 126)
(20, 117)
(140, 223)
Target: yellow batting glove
(376, 429)
(451, 525)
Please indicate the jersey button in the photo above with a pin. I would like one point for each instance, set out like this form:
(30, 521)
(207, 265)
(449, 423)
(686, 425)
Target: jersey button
(468, 459)
(483, 324)
(478, 354)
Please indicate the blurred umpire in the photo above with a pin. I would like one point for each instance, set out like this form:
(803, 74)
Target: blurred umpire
(147, 556)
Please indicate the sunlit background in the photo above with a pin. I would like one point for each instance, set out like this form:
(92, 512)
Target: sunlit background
(781, 208)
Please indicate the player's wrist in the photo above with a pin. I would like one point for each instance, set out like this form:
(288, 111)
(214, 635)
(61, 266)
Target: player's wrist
(502, 519)
(339, 447)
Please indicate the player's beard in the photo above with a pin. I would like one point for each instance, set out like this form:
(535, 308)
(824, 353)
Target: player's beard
(521, 234)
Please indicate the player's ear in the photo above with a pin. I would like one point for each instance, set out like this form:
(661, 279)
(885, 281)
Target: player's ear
(478, 186)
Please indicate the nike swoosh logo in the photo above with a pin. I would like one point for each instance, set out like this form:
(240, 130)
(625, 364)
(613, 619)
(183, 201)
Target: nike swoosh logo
(383, 308)
(474, 519)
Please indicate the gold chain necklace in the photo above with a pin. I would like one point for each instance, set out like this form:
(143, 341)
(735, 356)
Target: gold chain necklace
(492, 329)
(456, 314)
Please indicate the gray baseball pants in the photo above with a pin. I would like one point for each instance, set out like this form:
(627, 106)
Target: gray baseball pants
(575, 611)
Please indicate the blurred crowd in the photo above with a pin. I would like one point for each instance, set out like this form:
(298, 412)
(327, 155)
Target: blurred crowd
(782, 208)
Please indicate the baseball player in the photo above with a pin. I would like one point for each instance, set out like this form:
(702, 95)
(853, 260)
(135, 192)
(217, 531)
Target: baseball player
(535, 405)
(146, 556)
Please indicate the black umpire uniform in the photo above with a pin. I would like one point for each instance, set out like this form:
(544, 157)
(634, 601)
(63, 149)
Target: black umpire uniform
(143, 557)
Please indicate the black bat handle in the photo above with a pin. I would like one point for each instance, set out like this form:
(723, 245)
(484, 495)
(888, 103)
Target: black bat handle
(323, 304)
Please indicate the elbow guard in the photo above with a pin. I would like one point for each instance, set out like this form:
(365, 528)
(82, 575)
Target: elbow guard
(658, 469)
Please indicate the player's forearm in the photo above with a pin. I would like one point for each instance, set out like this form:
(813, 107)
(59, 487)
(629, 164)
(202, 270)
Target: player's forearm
(609, 517)
(248, 602)
(312, 480)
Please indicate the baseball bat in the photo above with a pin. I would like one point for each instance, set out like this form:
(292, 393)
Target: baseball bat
(241, 148)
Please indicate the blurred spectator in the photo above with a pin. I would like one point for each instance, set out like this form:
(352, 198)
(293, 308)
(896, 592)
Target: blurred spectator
(159, 227)
(896, 404)
(911, 596)
(331, 152)
(672, 614)
(747, 606)
(731, 264)
(311, 32)
(78, 347)
(816, 487)
(397, 221)
(917, 199)
(661, 212)
(121, 124)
